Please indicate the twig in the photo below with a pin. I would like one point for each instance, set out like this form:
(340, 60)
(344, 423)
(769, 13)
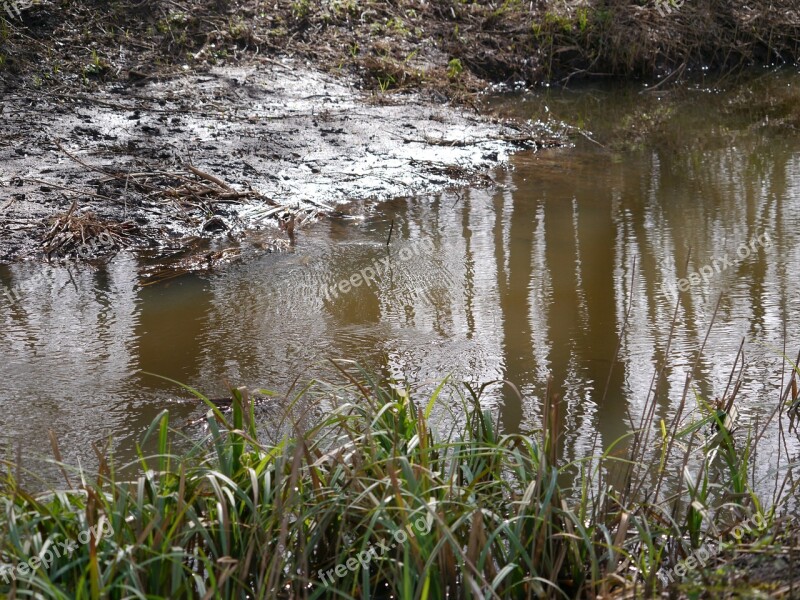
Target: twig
(208, 177)
(78, 160)
(389, 239)
(679, 71)
(65, 188)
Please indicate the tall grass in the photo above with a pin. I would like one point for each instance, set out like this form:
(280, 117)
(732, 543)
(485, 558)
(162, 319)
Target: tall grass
(375, 502)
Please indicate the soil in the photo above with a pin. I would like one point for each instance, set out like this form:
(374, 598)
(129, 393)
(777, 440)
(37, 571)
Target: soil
(185, 137)
(272, 145)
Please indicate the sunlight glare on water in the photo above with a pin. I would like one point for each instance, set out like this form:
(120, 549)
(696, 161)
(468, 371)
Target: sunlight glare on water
(570, 266)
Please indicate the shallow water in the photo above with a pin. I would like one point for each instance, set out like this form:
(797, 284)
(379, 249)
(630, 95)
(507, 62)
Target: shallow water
(569, 267)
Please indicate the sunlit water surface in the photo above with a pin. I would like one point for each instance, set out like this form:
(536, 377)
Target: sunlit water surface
(570, 268)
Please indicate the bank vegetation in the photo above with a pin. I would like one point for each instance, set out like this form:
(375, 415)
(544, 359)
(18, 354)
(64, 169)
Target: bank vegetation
(396, 496)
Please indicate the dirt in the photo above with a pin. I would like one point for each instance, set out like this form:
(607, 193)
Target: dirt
(271, 146)
(176, 128)
(162, 124)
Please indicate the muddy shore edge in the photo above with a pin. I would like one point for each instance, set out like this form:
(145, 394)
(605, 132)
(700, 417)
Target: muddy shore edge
(165, 125)
(180, 155)
(189, 166)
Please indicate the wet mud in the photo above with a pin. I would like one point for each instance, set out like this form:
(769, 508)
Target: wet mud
(166, 166)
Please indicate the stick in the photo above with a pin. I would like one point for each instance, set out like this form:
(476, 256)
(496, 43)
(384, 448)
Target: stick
(389, 239)
(208, 177)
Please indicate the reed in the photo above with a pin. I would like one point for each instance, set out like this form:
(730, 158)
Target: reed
(375, 501)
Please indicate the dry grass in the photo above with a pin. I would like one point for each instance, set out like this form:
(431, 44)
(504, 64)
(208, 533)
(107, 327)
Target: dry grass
(449, 47)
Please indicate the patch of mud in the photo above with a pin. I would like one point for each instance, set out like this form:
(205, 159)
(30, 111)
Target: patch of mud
(232, 150)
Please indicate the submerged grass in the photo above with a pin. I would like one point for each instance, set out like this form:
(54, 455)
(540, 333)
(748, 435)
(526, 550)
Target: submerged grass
(375, 502)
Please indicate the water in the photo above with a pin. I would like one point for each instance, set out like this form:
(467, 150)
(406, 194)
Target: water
(569, 267)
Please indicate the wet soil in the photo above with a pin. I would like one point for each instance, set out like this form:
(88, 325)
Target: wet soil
(271, 146)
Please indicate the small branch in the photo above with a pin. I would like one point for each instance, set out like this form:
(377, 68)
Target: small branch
(389, 239)
(208, 177)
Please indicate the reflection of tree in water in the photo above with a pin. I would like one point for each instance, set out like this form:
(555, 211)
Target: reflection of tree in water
(171, 326)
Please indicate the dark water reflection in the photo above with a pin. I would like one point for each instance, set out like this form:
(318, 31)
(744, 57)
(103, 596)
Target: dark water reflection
(571, 260)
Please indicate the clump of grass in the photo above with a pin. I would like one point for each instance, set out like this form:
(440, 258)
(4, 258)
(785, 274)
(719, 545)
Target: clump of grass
(654, 38)
(373, 501)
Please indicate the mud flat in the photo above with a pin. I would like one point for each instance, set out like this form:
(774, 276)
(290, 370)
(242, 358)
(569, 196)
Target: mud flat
(269, 147)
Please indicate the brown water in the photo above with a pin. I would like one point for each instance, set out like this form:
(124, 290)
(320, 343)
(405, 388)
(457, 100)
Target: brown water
(575, 252)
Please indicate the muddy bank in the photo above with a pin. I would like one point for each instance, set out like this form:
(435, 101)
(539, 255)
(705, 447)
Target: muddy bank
(269, 147)
(162, 125)
(448, 48)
